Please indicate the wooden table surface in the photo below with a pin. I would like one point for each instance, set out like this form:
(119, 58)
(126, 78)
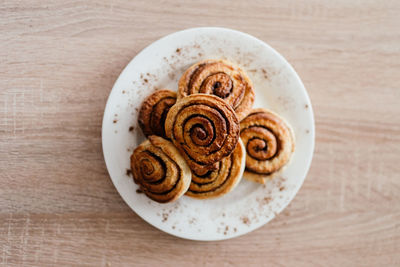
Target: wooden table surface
(58, 62)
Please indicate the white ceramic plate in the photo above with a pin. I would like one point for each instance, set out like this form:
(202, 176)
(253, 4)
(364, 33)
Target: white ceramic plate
(277, 87)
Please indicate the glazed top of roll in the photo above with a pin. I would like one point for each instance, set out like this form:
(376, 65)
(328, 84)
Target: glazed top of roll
(220, 78)
(160, 170)
(153, 112)
(216, 183)
(204, 128)
(268, 139)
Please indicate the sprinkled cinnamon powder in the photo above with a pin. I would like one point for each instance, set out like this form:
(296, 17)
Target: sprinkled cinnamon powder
(245, 220)
(265, 73)
(165, 217)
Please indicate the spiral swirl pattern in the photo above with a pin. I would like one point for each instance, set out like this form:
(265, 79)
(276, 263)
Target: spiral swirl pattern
(269, 144)
(154, 110)
(204, 128)
(159, 170)
(222, 79)
(218, 182)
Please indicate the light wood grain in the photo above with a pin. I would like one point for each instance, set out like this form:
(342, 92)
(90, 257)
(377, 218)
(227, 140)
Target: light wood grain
(58, 62)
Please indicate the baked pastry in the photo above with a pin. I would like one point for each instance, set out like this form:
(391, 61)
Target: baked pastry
(154, 110)
(159, 170)
(216, 183)
(269, 143)
(204, 128)
(220, 78)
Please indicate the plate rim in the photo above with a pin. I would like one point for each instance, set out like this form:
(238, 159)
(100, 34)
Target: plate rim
(276, 53)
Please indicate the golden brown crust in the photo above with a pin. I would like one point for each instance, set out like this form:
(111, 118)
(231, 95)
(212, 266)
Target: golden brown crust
(222, 180)
(154, 110)
(269, 143)
(220, 78)
(204, 128)
(160, 170)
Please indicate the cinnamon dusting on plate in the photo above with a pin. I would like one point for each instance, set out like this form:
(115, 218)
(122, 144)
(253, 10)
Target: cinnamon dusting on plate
(245, 220)
(165, 217)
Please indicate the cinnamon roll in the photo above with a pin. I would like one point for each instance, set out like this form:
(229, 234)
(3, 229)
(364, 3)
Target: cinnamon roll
(159, 170)
(269, 143)
(154, 110)
(218, 182)
(204, 128)
(222, 79)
